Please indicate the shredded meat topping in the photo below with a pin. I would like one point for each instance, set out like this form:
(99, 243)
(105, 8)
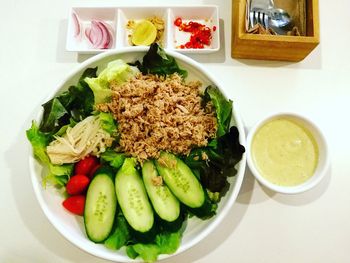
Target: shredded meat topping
(157, 181)
(158, 113)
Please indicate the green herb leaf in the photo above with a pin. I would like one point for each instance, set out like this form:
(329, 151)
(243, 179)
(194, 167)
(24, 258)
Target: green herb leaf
(156, 61)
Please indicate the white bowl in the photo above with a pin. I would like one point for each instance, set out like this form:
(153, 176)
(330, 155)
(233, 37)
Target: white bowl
(71, 227)
(323, 158)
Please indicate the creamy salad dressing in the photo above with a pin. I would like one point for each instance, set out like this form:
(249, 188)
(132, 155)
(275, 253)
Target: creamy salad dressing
(285, 152)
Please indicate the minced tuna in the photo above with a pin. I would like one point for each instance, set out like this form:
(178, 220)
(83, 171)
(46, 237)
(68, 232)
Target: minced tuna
(156, 113)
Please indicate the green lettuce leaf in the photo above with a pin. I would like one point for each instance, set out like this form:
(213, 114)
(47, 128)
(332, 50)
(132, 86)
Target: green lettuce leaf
(53, 112)
(165, 243)
(130, 251)
(63, 129)
(102, 92)
(81, 98)
(58, 174)
(120, 235)
(117, 71)
(76, 103)
(108, 123)
(156, 61)
(164, 238)
(219, 164)
(222, 107)
(39, 141)
(114, 159)
(148, 252)
(168, 242)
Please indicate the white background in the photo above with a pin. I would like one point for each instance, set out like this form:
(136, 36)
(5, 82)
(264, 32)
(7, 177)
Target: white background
(262, 226)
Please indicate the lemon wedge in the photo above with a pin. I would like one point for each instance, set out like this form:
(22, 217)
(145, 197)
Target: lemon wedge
(144, 33)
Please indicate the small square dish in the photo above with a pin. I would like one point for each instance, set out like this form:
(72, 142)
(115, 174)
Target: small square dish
(186, 29)
(194, 29)
(130, 17)
(91, 30)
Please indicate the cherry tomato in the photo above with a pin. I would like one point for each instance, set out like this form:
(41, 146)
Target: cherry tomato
(93, 170)
(77, 184)
(178, 21)
(85, 165)
(75, 204)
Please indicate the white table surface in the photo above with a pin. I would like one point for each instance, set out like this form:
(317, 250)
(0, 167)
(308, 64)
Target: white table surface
(262, 226)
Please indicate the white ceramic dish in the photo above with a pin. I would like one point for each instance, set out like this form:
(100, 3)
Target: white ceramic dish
(323, 161)
(71, 227)
(117, 18)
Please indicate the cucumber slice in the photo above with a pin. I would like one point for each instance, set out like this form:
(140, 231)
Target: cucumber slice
(164, 202)
(132, 197)
(180, 180)
(144, 34)
(100, 207)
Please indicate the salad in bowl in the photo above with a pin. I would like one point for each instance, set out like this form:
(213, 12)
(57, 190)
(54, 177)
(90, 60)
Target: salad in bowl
(138, 155)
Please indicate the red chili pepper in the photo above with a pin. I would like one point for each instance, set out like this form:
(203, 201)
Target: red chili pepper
(200, 34)
(85, 165)
(77, 184)
(178, 21)
(75, 204)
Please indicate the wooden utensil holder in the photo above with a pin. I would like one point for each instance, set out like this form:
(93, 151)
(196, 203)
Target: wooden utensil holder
(273, 47)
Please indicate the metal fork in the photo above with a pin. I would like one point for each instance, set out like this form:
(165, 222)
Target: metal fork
(258, 12)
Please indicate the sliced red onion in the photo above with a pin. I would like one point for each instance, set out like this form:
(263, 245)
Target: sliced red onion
(99, 34)
(96, 34)
(111, 33)
(87, 33)
(106, 36)
(76, 23)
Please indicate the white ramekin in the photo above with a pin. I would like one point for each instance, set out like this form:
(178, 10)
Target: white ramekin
(323, 161)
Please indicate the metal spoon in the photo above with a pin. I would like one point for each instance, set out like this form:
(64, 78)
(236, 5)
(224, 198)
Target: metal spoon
(280, 21)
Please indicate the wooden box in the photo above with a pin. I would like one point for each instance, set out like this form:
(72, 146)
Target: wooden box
(273, 47)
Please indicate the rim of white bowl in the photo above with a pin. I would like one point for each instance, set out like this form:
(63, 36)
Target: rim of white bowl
(322, 165)
(212, 224)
